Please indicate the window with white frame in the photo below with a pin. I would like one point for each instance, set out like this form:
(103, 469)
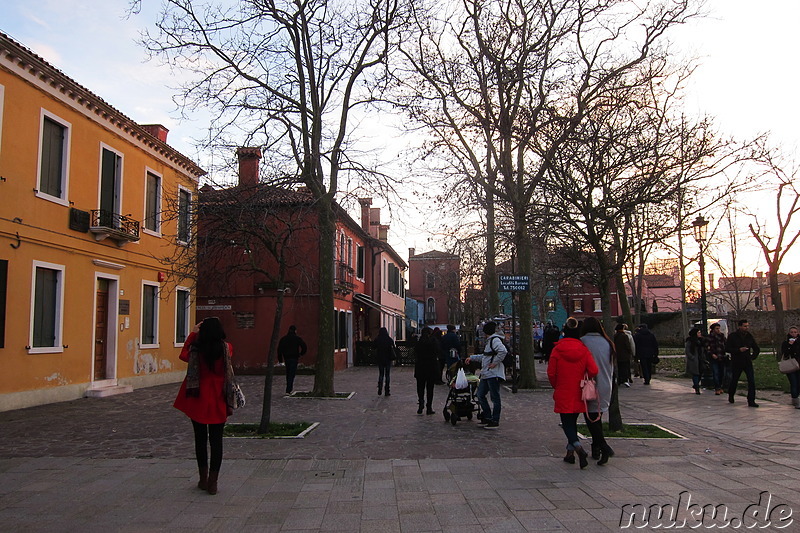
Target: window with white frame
(577, 306)
(183, 305)
(598, 307)
(149, 332)
(184, 215)
(53, 158)
(430, 311)
(48, 307)
(152, 202)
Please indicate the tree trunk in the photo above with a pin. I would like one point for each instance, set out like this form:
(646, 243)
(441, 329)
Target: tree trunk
(266, 407)
(777, 301)
(323, 376)
(527, 363)
(492, 296)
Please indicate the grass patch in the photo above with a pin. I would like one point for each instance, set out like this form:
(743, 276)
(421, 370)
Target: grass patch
(633, 431)
(309, 394)
(279, 429)
(765, 367)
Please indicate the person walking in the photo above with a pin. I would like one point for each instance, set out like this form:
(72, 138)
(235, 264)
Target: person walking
(451, 346)
(743, 349)
(623, 346)
(593, 335)
(290, 348)
(570, 361)
(426, 368)
(791, 348)
(646, 350)
(437, 335)
(550, 337)
(493, 371)
(385, 354)
(202, 395)
(717, 358)
(695, 357)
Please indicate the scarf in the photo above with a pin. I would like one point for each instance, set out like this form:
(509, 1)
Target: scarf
(229, 390)
(193, 373)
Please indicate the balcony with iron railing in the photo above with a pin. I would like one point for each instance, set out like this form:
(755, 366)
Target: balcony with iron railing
(343, 280)
(119, 228)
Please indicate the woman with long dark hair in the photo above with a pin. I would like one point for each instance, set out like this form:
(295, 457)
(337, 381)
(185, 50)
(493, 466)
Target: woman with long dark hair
(426, 368)
(594, 337)
(202, 396)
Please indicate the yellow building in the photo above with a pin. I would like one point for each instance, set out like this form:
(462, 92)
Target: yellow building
(85, 309)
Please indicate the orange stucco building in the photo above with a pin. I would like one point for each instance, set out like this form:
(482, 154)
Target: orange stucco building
(85, 308)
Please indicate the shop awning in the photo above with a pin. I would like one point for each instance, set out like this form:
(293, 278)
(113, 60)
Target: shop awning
(366, 300)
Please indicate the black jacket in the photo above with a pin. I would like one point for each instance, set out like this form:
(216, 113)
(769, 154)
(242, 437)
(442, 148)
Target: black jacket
(739, 339)
(291, 346)
(384, 347)
(646, 344)
(791, 349)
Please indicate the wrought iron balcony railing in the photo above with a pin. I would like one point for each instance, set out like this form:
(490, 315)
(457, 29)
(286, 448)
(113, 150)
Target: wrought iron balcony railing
(119, 228)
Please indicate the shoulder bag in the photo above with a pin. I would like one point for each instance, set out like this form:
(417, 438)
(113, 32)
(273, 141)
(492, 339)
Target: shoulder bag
(589, 393)
(788, 365)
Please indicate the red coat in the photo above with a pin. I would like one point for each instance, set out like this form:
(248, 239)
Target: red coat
(569, 360)
(210, 406)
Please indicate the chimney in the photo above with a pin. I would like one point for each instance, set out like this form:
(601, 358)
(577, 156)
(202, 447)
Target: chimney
(383, 232)
(156, 130)
(365, 203)
(249, 160)
(411, 252)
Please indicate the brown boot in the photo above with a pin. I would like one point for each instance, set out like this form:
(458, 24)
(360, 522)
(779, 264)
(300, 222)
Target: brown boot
(203, 483)
(212, 481)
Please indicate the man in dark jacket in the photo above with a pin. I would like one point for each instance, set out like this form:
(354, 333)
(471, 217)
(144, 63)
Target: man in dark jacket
(646, 350)
(290, 348)
(743, 349)
(451, 346)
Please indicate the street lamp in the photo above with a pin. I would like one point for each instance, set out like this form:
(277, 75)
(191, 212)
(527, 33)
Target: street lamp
(700, 228)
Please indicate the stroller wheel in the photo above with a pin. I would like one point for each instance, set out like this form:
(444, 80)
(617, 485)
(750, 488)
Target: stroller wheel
(469, 416)
(446, 414)
(453, 419)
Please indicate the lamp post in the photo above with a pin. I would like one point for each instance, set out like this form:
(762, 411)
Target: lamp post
(700, 228)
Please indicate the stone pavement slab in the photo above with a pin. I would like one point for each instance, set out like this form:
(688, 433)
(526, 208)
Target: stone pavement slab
(125, 463)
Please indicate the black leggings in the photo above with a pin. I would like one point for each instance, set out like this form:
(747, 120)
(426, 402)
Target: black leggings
(425, 385)
(208, 434)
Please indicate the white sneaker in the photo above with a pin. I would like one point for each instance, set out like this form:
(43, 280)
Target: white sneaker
(627, 384)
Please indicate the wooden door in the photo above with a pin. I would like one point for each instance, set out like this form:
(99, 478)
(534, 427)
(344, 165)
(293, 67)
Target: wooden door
(101, 330)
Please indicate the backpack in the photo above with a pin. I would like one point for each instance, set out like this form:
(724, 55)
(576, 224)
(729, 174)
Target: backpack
(509, 355)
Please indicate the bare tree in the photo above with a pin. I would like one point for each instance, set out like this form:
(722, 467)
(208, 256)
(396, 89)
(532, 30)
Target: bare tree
(488, 78)
(286, 75)
(784, 229)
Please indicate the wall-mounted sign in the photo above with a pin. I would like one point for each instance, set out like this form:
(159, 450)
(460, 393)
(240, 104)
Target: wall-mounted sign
(213, 307)
(515, 283)
(124, 307)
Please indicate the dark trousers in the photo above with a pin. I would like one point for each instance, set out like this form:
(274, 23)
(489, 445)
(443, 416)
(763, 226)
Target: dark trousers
(794, 384)
(746, 366)
(384, 373)
(624, 368)
(647, 368)
(596, 430)
(569, 423)
(425, 385)
(492, 387)
(717, 372)
(291, 372)
(205, 434)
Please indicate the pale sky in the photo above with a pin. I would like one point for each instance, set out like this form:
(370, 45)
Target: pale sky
(747, 75)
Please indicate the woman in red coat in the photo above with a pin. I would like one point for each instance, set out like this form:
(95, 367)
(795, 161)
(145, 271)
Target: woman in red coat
(569, 361)
(202, 395)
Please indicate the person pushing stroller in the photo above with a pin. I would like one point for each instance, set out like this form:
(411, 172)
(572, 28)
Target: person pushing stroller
(492, 373)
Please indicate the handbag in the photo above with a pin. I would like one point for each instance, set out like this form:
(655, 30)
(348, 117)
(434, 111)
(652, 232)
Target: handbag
(589, 393)
(234, 397)
(788, 365)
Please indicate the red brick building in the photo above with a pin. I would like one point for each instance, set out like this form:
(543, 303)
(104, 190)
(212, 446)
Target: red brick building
(435, 281)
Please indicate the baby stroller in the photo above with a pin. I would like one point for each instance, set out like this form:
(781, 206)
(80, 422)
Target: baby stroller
(461, 403)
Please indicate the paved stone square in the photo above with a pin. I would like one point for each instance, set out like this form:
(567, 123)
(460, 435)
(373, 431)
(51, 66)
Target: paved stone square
(126, 463)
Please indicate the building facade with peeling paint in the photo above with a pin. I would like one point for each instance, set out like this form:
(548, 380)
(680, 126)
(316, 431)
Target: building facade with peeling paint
(86, 194)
